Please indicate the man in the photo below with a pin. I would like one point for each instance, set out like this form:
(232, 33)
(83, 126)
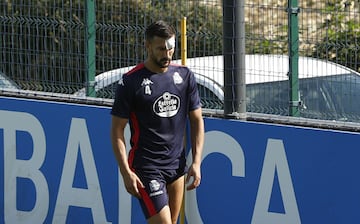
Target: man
(157, 98)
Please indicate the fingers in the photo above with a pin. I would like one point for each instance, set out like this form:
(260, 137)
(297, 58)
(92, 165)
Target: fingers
(134, 192)
(194, 184)
(139, 183)
(188, 177)
(135, 189)
(196, 179)
(133, 185)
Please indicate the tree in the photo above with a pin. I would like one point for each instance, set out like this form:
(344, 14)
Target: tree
(341, 42)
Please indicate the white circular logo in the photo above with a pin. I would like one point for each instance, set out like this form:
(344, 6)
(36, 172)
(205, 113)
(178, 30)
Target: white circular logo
(167, 105)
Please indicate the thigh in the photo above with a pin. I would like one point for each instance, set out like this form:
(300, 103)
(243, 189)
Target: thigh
(154, 196)
(163, 217)
(176, 194)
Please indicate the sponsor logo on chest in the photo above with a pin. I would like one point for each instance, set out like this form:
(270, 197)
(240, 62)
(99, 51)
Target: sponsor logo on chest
(167, 105)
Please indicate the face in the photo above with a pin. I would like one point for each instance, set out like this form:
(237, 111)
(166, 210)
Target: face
(159, 53)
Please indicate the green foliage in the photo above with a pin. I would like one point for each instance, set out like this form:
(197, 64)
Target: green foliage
(129, 18)
(43, 42)
(341, 42)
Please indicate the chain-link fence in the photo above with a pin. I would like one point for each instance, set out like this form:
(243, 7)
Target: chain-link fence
(46, 47)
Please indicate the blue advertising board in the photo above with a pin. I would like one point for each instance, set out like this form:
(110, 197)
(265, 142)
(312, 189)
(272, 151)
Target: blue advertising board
(57, 166)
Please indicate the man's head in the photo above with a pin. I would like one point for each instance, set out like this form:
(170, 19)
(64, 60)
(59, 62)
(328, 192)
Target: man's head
(160, 43)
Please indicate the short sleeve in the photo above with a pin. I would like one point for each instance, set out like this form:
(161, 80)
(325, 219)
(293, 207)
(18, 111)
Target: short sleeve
(123, 98)
(194, 97)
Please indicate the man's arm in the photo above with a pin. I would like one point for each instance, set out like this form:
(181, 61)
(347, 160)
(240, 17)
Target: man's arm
(131, 180)
(197, 143)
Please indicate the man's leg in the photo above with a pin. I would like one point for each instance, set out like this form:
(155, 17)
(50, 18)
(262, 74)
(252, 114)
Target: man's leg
(154, 197)
(163, 217)
(176, 193)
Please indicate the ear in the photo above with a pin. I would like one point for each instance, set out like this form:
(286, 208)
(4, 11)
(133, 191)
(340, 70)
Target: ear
(147, 44)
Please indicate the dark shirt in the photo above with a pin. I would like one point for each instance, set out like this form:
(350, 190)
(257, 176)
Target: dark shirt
(157, 106)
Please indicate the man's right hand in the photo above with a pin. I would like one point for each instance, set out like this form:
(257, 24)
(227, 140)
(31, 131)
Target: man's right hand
(132, 183)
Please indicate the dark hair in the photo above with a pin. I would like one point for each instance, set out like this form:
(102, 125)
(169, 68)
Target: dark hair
(160, 29)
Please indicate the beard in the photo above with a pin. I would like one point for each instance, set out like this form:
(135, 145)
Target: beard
(162, 63)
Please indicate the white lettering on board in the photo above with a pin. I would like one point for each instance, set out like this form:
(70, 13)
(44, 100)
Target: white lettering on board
(12, 122)
(68, 195)
(215, 142)
(79, 146)
(275, 161)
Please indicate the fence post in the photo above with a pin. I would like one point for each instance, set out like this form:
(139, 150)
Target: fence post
(293, 29)
(183, 62)
(234, 59)
(90, 49)
(183, 41)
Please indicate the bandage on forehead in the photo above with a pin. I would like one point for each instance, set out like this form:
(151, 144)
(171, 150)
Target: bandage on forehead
(170, 43)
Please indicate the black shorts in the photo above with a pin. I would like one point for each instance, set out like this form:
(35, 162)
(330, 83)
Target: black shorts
(154, 196)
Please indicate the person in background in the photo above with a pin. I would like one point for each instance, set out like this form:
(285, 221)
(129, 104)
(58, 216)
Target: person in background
(157, 99)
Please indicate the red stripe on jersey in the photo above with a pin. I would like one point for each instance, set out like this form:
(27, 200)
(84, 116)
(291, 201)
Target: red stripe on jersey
(136, 68)
(147, 201)
(134, 138)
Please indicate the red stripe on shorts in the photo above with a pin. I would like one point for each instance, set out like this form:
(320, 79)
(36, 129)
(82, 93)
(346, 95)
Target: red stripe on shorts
(147, 201)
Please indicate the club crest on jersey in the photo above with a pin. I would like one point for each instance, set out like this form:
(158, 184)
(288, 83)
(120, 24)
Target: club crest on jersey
(121, 82)
(167, 105)
(147, 82)
(177, 78)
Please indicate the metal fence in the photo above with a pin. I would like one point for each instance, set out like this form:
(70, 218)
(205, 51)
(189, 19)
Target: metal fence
(56, 47)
